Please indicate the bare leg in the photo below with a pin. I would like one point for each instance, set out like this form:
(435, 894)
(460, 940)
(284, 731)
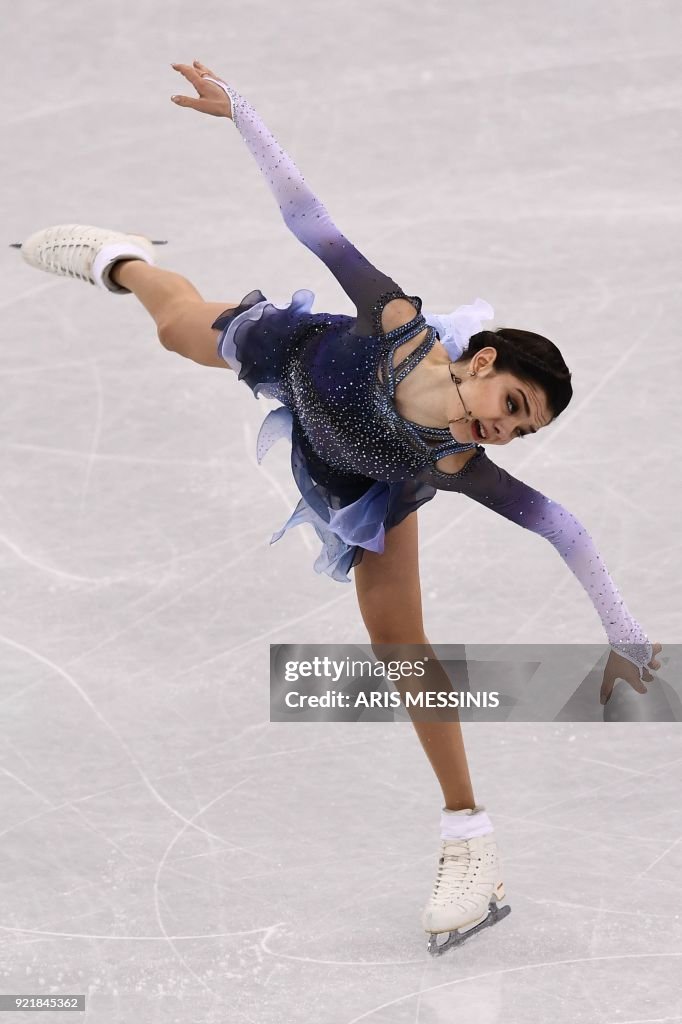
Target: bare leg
(389, 597)
(442, 741)
(182, 318)
(444, 747)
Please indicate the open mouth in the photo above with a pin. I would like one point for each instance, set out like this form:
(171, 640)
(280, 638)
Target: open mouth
(478, 431)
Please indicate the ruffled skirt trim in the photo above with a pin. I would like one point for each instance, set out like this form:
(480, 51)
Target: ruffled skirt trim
(254, 337)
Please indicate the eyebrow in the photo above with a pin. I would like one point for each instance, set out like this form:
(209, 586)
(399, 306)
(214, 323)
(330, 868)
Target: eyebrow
(525, 403)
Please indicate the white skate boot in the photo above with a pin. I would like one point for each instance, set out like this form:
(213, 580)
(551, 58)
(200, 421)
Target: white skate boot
(85, 252)
(467, 892)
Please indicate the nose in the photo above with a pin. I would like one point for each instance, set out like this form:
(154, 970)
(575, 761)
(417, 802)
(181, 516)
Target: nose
(502, 434)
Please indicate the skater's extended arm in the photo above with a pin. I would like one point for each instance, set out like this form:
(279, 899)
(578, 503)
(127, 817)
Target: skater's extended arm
(302, 211)
(498, 490)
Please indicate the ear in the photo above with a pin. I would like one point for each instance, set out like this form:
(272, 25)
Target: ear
(484, 359)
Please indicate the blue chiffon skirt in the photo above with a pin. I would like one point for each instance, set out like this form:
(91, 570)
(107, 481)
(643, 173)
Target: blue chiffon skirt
(349, 513)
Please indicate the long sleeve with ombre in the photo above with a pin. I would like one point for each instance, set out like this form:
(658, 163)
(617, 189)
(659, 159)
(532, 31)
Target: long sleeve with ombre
(306, 216)
(498, 490)
(308, 219)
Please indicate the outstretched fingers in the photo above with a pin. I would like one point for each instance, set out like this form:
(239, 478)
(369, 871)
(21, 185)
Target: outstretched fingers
(203, 70)
(191, 75)
(629, 673)
(211, 99)
(655, 663)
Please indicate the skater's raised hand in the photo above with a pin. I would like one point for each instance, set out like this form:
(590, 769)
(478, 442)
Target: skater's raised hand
(618, 667)
(212, 99)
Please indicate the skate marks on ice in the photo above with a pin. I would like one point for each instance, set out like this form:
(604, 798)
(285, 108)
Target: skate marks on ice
(567, 993)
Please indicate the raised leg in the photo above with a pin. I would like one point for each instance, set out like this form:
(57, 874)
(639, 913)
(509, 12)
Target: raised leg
(183, 320)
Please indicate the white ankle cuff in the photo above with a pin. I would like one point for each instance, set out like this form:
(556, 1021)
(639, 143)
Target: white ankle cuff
(467, 824)
(108, 255)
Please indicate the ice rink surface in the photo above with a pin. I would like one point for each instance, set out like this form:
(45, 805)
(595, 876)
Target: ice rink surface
(163, 848)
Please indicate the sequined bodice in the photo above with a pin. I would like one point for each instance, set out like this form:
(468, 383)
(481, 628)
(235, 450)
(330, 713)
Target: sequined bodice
(347, 413)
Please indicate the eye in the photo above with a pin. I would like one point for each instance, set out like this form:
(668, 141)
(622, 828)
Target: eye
(512, 406)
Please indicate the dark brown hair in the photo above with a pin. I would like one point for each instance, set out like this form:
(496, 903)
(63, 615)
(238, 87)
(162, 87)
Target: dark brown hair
(530, 357)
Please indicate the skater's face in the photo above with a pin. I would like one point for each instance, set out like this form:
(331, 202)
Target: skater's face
(502, 406)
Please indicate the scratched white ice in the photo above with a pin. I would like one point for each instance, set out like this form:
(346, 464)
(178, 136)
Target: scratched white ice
(163, 848)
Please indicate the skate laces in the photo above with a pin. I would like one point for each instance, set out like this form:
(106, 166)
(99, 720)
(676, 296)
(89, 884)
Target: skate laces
(67, 258)
(454, 866)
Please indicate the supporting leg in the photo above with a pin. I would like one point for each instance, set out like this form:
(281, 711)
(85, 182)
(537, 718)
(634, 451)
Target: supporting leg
(389, 597)
(182, 318)
(444, 746)
(442, 741)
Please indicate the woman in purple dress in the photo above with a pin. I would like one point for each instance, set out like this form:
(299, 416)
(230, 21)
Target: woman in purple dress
(382, 410)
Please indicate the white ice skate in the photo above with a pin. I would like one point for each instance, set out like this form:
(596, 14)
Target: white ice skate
(85, 252)
(467, 892)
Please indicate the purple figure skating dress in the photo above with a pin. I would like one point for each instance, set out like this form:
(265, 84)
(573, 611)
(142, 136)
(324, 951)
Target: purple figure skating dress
(359, 465)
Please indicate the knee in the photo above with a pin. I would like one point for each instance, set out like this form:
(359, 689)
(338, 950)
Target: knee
(167, 333)
(170, 330)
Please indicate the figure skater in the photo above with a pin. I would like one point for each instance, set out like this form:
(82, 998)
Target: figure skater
(382, 410)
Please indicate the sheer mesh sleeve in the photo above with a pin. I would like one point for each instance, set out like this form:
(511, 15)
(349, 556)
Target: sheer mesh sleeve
(493, 487)
(308, 219)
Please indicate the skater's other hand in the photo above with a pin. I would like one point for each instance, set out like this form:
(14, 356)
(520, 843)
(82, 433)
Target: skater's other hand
(212, 99)
(618, 667)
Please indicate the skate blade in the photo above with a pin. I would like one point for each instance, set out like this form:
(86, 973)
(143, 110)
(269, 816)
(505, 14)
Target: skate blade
(495, 914)
(154, 241)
